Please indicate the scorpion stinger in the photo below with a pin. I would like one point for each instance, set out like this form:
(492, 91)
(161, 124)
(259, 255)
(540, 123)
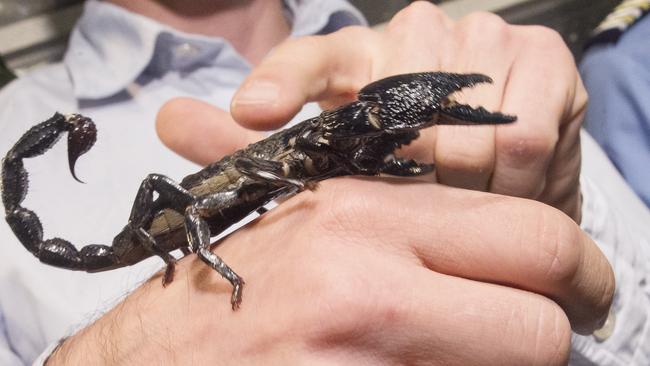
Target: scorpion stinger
(359, 138)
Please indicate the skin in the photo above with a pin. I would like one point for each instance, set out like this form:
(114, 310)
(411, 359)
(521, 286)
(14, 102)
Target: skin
(382, 271)
(236, 20)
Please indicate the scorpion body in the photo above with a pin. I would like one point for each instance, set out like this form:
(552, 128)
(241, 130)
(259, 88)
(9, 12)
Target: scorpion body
(359, 138)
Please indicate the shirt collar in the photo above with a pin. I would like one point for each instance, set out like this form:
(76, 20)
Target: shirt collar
(111, 47)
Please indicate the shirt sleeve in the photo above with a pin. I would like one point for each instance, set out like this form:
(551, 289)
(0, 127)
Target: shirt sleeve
(618, 222)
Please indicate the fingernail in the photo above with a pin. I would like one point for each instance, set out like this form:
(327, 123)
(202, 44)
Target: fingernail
(257, 92)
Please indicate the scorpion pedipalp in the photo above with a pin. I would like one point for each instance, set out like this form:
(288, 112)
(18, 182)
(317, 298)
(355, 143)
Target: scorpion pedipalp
(424, 101)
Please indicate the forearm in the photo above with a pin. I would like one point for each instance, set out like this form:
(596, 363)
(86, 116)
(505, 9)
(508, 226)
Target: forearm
(127, 333)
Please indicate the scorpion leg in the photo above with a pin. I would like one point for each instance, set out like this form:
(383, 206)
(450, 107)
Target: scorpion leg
(149, 243)
(262, 210)
(198, 235)
(198, 230)
(385, 145)
(273, 172)
(405, 167)
(318, 148)
(142, 214)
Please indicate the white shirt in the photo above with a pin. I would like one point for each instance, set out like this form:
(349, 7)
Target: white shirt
(119, 69)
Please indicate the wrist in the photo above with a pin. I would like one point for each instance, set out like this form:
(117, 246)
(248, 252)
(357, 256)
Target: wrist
(114, 338)
(67, 351)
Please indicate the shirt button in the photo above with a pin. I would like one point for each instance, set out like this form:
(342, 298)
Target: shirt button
(185, 50)
(607, 329)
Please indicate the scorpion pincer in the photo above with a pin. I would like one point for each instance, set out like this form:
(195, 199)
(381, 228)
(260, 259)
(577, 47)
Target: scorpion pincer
(358, 138)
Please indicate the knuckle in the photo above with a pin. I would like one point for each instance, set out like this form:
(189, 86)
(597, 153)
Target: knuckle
(538, 333)
(346, 213)
(469, 160)
(419, 12)
(355, 33)
(541, 40)
(581, 95)
(295, 50)
(484, 25)
(474, 155)
(365, 40)
(527, 147)
(559, 248)
(608, 289)
(603, 303)
(545, 37)
(352, 311)
(309, 45)
(293, 43)
(552, 338)
(348, 294)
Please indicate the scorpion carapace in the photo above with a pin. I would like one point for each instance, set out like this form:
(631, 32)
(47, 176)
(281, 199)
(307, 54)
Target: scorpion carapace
(359, 138)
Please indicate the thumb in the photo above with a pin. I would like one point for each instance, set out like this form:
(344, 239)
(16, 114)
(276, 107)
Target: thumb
(199, 131)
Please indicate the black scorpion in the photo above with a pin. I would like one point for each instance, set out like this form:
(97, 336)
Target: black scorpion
(359, 138)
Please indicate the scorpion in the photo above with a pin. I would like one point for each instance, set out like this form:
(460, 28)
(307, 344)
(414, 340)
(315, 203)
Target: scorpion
(359, 138)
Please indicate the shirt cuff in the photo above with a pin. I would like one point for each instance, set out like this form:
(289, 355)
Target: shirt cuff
(42, 358)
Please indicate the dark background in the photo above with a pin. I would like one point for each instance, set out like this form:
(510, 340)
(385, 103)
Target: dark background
(573, 19)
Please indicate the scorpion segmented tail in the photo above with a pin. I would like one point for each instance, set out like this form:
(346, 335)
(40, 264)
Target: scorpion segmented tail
(24, 222)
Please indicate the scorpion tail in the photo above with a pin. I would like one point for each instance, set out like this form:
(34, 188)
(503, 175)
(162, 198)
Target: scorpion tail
(36, 141)
(24, 222)
(56, 251)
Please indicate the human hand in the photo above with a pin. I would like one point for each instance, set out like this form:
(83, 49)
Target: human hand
(534, 74)
(369, 271)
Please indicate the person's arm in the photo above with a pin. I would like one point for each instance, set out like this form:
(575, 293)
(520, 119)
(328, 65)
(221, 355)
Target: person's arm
(371, 271)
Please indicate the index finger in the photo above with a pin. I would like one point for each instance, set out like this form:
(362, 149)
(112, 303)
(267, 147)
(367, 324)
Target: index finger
(302, 70)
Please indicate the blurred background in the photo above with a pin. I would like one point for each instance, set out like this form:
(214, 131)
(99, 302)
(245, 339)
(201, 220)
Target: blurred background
(34, 32)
